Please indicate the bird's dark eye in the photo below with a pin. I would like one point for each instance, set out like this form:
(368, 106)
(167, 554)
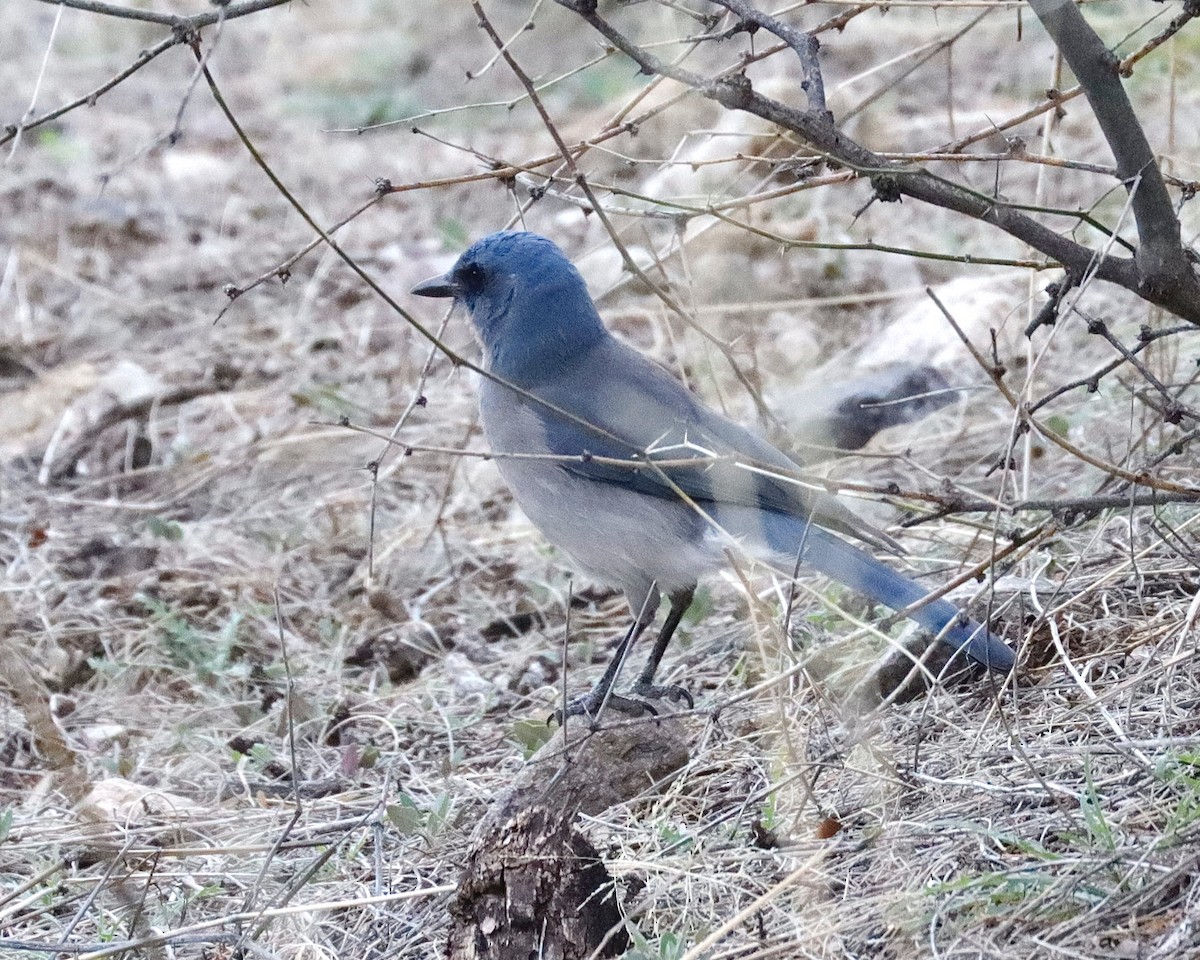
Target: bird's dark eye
(471, 277)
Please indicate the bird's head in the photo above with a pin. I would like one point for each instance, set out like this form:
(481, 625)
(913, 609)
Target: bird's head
(528, 303)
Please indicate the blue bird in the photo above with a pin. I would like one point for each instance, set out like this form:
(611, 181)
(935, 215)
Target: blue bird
(631, 475)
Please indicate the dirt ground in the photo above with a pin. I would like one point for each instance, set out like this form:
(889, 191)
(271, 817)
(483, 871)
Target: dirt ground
(216, 569)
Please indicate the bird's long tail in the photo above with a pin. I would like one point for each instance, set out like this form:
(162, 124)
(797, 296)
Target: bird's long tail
(831, 555)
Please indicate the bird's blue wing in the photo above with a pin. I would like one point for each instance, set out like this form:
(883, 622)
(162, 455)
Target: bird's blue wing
(623, 407)
(638, 412)
(616, 405)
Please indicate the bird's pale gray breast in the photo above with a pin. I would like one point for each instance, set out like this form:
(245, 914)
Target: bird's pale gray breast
(618, 535)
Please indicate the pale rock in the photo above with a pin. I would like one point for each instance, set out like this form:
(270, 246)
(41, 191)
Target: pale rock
(922, 335)
(465, 681)
(120, 802)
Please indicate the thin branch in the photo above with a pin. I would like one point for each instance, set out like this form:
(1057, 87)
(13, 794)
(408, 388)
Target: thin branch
(283, 270)
(181, 28)
(1092, 380)
(1175, 410)
(735, 92)
(90, 98)
(920, 58)
(38, 84)
(1162, 265)
(1066, 508)
(224, 12)
(804, 44)
(945, 504)
(1141, 477)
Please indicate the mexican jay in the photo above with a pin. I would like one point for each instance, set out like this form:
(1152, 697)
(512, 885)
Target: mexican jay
(624, 469)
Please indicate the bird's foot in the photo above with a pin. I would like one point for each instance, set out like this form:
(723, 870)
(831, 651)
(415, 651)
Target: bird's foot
(590, 706)
(651, 691)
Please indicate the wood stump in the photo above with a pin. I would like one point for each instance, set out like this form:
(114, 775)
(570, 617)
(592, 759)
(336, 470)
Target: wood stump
(533, 886)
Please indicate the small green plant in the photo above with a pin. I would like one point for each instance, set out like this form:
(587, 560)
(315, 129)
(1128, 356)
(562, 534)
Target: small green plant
(703, 604)
(769, 812)
(60, 147)
(405, 815)
(1181, 774)
(369, 757)
(670, 945)
(164, 529)
(1059, 425)
(410, 819)
(210, 656)
(530, 736)
(261, 756)
(454, 233)
(993, 893)
(327, 399)
(671, 836)
(1092, 806)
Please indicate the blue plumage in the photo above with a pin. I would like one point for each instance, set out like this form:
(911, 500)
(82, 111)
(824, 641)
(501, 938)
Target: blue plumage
(657, 528)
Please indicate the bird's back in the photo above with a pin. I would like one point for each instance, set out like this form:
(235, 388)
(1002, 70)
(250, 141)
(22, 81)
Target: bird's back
(610, 401)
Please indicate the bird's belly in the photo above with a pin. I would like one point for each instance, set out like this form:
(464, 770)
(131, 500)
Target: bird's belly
(620, 537)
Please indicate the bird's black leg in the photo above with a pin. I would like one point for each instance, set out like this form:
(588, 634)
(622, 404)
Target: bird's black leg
(591, 704)
(645, 686)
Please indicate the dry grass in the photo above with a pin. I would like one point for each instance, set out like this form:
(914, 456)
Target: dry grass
(145, 735)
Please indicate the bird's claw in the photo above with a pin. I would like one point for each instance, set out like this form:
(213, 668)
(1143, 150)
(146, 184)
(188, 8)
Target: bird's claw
(651, 691)
(590, 706)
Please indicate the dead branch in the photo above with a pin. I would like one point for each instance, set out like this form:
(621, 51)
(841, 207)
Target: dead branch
(181, 29)
(1177, 293)
(1163, 268)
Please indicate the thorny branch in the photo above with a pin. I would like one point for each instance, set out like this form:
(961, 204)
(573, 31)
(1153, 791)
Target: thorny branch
(804, 44)
(182, 29)
(1161, 275)
(1161, 263)
(224, 11)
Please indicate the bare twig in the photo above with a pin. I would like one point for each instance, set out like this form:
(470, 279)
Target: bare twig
(893, 181)
(804, 44)
(16, 132)
(1161, 263)
(1092, 380)
(181, 30)
(225, 11)
(1175, 410)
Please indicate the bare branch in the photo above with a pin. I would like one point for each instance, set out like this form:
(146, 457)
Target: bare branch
(893, 181)
(804, 44)
(1162, 265)
(16, 129)
(226, 12)
(180, 28)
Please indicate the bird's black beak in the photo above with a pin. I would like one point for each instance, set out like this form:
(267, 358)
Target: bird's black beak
(442, 286)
